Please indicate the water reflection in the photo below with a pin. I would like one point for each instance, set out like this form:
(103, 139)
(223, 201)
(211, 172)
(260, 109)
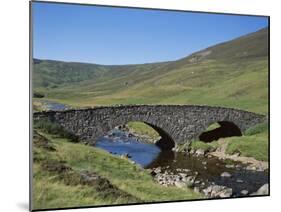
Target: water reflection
(141, 153)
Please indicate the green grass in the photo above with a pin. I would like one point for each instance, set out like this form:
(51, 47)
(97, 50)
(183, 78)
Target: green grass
(253, 144)
(215, 83)
(54, 128)
(212, 127)
(261, 128)
(51, 191)
(143, 129)
(205, 146)
(235, 74)
(249, 146)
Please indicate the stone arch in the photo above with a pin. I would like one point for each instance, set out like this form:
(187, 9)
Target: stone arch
(180, 123)
(166, 142)
(226, 129)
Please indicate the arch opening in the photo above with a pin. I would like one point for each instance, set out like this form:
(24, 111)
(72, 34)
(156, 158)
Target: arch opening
(145, 132)
(165, 142)
(221, 129)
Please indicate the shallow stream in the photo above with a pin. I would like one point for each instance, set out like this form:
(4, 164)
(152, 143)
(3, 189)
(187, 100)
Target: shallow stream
(208, 170)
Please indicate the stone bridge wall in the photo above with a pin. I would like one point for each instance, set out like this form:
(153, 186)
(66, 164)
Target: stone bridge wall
(181, 123)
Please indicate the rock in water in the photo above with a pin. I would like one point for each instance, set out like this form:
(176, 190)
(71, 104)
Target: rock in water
(229, 166)
(225, 174)
(200, 152)
(226, 193)
(262, 190)
(214, 191)
(244, 192)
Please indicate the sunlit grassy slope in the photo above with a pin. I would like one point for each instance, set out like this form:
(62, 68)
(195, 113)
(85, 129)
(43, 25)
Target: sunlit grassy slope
(232, 74)
(62, 188)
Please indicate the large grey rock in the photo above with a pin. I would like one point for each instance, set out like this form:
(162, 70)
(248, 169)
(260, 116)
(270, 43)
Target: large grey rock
(263, 190)
(183, 175)
(157, 170)
(225, 174)
(200, 152)
(227, 192)
(244, 192)
(215, 191)
(189, 181)
(229, 166)
(180, 184)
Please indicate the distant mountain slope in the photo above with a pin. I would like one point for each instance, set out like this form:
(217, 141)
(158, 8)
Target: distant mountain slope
(233, 74)
(251, 45)
(248, 46)
(50, 73)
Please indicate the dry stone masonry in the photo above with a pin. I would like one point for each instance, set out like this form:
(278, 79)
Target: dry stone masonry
(176, 124)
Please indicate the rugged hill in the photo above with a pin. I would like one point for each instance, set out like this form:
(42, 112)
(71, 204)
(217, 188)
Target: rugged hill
(233, 74)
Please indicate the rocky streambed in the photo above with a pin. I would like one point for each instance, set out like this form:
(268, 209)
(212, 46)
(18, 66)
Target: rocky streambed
(214, 177)
(215, 180)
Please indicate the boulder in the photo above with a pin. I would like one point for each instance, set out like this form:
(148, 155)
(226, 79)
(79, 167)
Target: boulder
(225, 174)
(215, 191)
(182, 175)
(200, 152)
(263, 190)
(189, 181)
(229, 166)
(251, 168)
(180, 184)
(244, 192)
(125, 156)
(157, 170)
(226, 193)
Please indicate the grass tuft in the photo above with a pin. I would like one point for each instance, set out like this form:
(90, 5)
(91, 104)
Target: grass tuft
(259, 128)
(253, 144)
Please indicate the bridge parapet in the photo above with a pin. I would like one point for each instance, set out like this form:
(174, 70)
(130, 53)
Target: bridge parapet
(179, 123)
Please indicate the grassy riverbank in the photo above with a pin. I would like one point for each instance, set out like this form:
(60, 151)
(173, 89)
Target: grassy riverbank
(143, 129)
(57, 178)
(253, 144)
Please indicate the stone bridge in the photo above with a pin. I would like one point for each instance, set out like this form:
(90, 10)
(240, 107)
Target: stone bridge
(176, 124)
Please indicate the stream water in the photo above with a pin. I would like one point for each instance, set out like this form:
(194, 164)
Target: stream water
(208, 170)
(50, 105)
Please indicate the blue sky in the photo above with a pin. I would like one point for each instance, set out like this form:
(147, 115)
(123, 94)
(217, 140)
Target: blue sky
(106, 35)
